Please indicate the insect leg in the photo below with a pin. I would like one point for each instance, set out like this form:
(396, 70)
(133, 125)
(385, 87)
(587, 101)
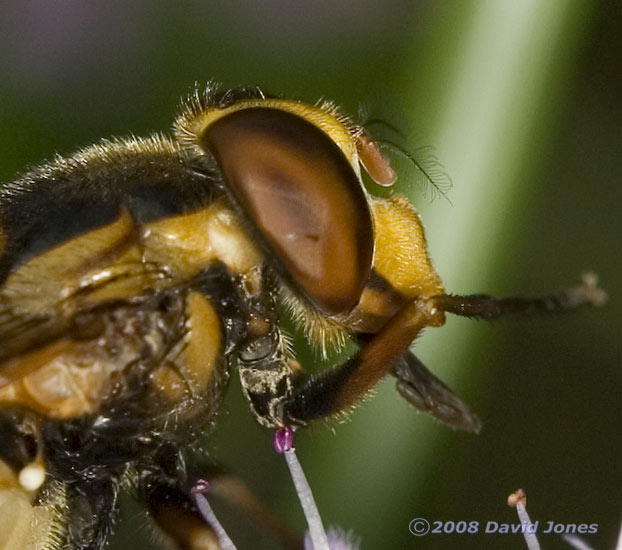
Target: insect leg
(339, 389)
(174, 512)
(482, 306)
(91, 513)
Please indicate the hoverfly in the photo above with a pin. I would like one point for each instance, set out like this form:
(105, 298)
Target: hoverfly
(137, 275)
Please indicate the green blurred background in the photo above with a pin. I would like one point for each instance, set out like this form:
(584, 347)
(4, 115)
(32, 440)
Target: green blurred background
(521, 101)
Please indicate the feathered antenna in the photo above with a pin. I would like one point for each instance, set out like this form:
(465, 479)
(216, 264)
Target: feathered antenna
(425, 162)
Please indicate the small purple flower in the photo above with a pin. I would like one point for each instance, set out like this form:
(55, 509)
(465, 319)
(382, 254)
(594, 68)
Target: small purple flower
(283, 439)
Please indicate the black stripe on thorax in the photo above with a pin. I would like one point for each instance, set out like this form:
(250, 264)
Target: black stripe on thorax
(52, 205)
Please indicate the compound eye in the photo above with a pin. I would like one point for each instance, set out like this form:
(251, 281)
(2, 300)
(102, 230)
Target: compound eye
(298, 188)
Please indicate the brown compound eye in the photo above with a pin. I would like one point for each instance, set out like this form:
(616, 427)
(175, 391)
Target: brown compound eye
(302, 194)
